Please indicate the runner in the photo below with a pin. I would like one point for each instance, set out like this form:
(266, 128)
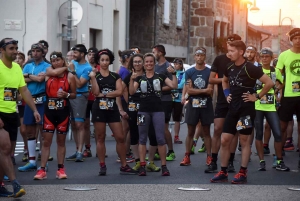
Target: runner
(9, 120)
(199, 107)
(216, 75)
(34, 74)
(288, 63)
(69, 57)
(106, 86)
(161, 68)
(81, 69)
(238, 86)
(266, 108)
(151, 108)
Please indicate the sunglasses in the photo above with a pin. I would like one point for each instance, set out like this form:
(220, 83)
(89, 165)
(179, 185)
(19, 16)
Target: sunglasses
(14, 42)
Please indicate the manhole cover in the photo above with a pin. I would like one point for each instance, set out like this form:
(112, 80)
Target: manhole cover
(79, 189)
(193, 189)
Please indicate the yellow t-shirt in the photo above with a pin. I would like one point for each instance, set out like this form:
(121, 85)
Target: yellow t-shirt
(291, 62)
(268, 102)
(11, 79)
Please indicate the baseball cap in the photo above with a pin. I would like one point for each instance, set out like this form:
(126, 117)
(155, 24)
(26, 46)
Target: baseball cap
(38, 46)
(179, 61)
(79, 48)
(251, 47)
(266, 51)
(233, 37)
(294, 32)
(92, 50)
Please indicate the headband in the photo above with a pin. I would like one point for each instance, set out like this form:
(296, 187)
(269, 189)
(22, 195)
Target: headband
(200, 52)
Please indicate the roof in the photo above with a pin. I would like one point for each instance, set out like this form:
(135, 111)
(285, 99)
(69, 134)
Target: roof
(257, 29)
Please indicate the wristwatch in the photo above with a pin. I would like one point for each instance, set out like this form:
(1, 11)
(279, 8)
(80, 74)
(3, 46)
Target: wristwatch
(68, 95)
(73, 72)
(257, 96)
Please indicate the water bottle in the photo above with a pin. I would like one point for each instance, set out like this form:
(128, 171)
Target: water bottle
(156, 85)
(60, 89)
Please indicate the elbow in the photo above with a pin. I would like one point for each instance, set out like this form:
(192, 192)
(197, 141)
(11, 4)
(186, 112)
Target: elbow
(119, 93)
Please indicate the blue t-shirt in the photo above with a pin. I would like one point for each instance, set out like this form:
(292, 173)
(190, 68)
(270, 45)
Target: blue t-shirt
(181, 82)
(200, 78)
(162, 69)
(123, 72)
(82, 70)
(36, 88)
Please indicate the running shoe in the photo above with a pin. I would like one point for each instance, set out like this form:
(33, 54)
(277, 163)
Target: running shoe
(151, 167)
(186, 161)
(170, 156)
(142, 171)
(177, 140)
(28, 167)
(102, 170)
(282, 167)
(130, 158)
(156, 157)
(193, 150)
(87, 153)
(230, 167)
(262, 166)
(4, 192)
(79, 157)
(239, 178)
(165, 171)
(137, 166)
(208, 160)
(211, 168)
(5, 178)
(72, 157)
(25, 158)
(220, 177)
(13, 160)
(40, 175)
(266, 151)
(61, 174)
(18, 190)
(202, 149)
(127, 170)
(274, 161)
(37, 149)
(289, 146)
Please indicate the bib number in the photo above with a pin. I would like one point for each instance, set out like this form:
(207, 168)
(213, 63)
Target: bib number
(267, 99)
(296, 86)
(56, 104)
(175, 95)
(141, 120)
(132, 106)
(244, 123)
(10, 94)
(199, 102)
(38, 100)
(106, 104)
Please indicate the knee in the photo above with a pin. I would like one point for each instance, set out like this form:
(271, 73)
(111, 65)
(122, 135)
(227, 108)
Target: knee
(259, 136)
(120, 138)
(225, 142)
(161, 141)
(101, 138)
(277, 136)
(61, 143)
(46, 143)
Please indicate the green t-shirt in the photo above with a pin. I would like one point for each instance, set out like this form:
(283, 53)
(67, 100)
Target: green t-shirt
(268, 102)
(291, 62)
(11, 79)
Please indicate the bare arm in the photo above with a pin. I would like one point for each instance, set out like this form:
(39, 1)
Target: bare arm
(268, 84)
(80, 82)
(192, 91)
(118, 92)
(72, 82)
(183, 95)
(95, 88)
(26, 95)
(213, 79)
(172, 84)
(55, 72)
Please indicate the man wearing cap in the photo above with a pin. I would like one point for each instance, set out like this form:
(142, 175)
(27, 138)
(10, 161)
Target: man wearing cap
(250, 54)
(199, 107)
(289, 65)
(216, 75)
(81, 69)
(161, 67)
(34, 74)
(266, 108)
(44, 44)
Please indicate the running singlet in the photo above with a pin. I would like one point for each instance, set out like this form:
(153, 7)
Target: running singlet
(11, 79)
(54, 84)
(177, 93)
(242, 79)
(268, 101)
(290, 62)
(133, 100)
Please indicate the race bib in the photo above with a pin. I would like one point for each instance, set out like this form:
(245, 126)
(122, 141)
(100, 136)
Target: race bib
(175, 95)
(141, 120)
(244, 123)
(10, 94)
(38, 100)
(132, 106)
(56, 104)
(267, 99)
(106, 104)
(199, 102)
(296, 86)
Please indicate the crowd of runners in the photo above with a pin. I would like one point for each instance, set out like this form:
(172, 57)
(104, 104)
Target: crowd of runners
(253, 90)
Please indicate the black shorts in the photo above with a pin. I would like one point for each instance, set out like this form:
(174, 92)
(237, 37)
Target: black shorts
(289, 107)
(89, 109)
(167, 106)
(11, 123)
(204, 115)
(21, 109)
(177, 111)
(233, 117)
(105, 116)
(58, 120)
(221, 111)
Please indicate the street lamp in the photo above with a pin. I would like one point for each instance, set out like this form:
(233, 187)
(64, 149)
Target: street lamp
(254, 8)
(280, 29)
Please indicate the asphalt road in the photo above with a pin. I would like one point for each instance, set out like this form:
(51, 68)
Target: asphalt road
(268, 185)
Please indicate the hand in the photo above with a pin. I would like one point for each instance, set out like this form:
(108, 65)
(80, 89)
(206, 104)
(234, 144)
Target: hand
(249, 97)
(92, 74)
(61, 94)
(71, 67)
(37, 116)
(229, 98)
(182, 100)
(25, 75)
(95, 70)
(41, 74)
(124, 114)
(171, 69)
(209, 90)
(133, 76)
(1, 124)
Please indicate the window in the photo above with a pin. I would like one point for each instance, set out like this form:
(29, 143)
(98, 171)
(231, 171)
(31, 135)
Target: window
(166, 12)
(179, 13)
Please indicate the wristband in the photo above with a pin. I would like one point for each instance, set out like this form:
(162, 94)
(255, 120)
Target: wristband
(226, 92)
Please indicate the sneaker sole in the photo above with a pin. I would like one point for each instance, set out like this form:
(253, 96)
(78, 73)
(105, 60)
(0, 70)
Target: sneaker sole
(283, 170)
(210, 171)
(151, 170)
(57, 177)
(170, 159)
(79, 160)
(102, 174)
(36, 178)
(128, 173)
(165, 174)
(219, 181)
(50, 159)
(30, 170)
(262, 169)
(20, 193)
(240, 182)
(181, 164)
(143, 174)
(289, 149)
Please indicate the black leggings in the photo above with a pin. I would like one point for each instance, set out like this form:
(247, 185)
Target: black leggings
(134, 130)
(273, 120)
